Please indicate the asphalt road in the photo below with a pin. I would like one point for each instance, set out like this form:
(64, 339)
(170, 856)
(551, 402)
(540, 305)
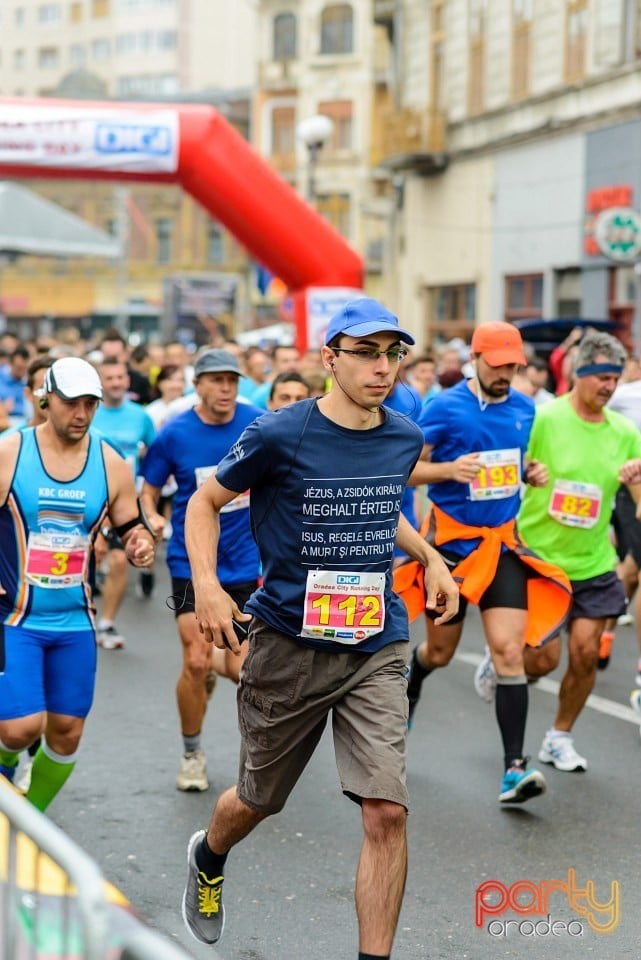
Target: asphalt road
(289, 886)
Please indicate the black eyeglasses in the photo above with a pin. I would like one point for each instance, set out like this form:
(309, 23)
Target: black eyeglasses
(394, 355)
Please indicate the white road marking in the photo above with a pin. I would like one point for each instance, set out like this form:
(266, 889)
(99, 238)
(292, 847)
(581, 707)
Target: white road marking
(601, 704)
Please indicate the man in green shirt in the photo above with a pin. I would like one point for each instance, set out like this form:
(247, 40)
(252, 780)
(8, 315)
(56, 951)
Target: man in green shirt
(587, 449)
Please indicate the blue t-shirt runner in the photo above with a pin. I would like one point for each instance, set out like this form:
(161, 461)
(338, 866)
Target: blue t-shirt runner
(190, 450)
(324, 534)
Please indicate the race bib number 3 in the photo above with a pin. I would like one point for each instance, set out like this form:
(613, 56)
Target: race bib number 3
(343, 606)
(499, 476)
(56, 560)
(575, 504)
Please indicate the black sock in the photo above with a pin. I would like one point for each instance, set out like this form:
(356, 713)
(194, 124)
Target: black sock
(210, 863)
(511, 714)
(417, 674)
(373, 956)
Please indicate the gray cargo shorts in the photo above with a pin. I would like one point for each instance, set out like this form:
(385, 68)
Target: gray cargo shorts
(285, 694)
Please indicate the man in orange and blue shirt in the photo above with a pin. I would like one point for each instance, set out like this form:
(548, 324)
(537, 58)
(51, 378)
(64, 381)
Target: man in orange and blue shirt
(476, 435)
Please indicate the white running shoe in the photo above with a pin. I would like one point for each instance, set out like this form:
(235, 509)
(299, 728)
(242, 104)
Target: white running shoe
(110, 639)
(560, 752)
(193, 772)
(485, 678)
(625, 620)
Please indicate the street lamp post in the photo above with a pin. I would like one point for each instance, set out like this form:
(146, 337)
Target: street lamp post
(314, 132)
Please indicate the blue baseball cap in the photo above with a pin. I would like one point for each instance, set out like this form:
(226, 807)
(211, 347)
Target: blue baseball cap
(363, 316)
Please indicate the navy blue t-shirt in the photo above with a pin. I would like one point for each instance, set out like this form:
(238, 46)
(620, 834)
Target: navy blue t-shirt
(454, 424)
(324, 499)
(189, 449)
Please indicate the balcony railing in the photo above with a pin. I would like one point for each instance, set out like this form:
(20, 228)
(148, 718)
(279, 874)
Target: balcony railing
(410, 138)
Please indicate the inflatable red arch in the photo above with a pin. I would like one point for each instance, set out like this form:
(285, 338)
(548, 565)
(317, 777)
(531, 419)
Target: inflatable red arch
(193, 146)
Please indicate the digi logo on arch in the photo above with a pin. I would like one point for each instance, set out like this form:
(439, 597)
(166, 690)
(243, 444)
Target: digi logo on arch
(133, 138)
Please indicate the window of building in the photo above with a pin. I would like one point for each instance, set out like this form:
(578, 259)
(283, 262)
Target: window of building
(100, 49)
(146, 41)
(283, 136)
(147, 84)
(99, 9)
(164, 229)
(476, 56)
(49, 13)
(568, 292)
(19, 17)
(452, 311)
(215, 245)
(524, 297)
(77, 55)
(126, 43)
(167, 39)
(284, 40)
(75, 12)
(48, 57)
(521, 42)
(337, 208)
(340, 113)
(337, 29)
(575, 39)
(18, 59)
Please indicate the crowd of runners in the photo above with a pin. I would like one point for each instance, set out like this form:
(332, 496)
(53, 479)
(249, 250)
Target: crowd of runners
(387, 484)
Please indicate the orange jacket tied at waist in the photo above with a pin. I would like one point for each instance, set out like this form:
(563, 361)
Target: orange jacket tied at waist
(549, 593)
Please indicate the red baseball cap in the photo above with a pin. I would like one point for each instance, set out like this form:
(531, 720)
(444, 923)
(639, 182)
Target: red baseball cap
(499, 343)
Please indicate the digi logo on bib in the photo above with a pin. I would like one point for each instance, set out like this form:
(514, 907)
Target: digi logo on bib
(351, 580)
(130, 138)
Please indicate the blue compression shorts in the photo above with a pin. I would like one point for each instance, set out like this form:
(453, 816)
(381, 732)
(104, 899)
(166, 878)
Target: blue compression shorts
(43, 671)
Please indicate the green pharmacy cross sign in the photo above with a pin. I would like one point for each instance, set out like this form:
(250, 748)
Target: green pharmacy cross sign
(617, 231)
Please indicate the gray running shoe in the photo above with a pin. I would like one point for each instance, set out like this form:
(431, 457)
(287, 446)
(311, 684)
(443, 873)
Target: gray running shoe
(193, 772)
(202, 907)
(110, 639)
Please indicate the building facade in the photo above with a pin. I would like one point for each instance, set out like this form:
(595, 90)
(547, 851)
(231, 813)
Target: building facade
(526, 121)
(131, 50)
(320, 57)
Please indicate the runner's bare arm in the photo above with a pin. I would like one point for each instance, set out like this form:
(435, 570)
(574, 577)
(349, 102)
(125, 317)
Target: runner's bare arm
(9, 447)
(462, 470)
(536, 474)
(149, 497)
(442, 591)
(215, 609)
(630, 472)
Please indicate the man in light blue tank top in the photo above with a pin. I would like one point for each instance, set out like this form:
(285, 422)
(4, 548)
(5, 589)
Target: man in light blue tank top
(58, 483)
(130, 429)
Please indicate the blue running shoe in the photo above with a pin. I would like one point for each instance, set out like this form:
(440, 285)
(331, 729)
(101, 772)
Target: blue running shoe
(519, 784)
(8, 772)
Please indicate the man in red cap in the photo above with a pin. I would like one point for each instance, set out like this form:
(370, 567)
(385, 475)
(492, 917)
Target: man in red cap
(476, 435)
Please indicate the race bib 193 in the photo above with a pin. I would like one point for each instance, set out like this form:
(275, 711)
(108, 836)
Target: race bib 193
(499, 476)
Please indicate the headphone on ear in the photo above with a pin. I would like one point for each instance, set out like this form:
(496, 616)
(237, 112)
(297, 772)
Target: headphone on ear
(43, 403)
